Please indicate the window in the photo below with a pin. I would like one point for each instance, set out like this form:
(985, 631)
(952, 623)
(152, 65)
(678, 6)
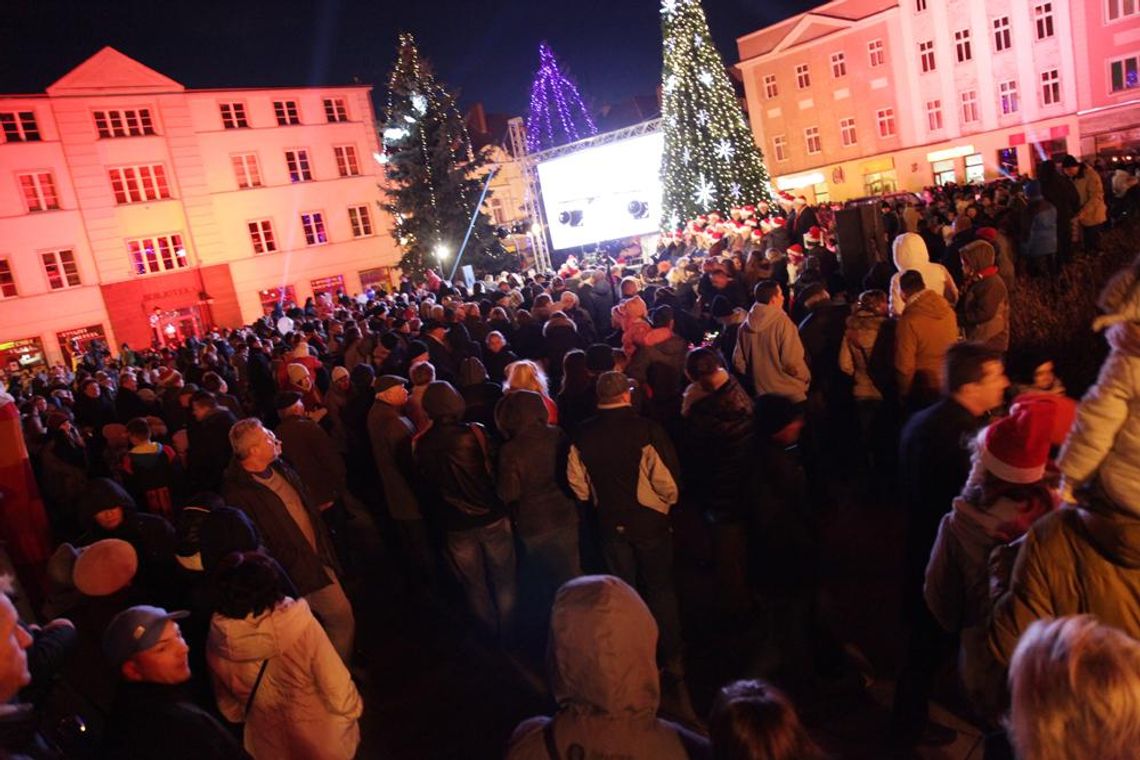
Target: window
(137, 184)
(926, 55)
(876, 53)
(1008, 95)
(934, 114)
(261, 235)
(233, 116)
(975, 169)
(335, 110)
(361, 221)
(1118, 9)
(1124, 73)
(812, 141)
(770, 89)
(780, 147)
(346, 164)
(60, 268)
(1043, 19)
(298, 163)
(7, 282)
(314, 225)
(1001, 34)
(161, 253)
(919, 6)
(847, 132)
(838, 65)
(886, 120)
(133, 122)
(246, 170)
(39, 191)
(962, 45)
(969, 106)
(19, 126)
(286, 112)
(803, 77)
(1050, 87)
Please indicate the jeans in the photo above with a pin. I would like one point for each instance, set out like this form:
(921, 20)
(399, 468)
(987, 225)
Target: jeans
(483, 560)
(650, 561)
(551, 559)
(334, 610)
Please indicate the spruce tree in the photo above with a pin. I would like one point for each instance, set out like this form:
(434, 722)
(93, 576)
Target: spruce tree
(710, 161)
(434, 175)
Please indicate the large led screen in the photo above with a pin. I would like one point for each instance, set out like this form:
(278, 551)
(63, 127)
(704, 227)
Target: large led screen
(604, 193)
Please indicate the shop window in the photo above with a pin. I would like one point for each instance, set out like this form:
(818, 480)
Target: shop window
(944, 172)
(975, 169)
(822, 192)
(877, 183)
(1007, 161)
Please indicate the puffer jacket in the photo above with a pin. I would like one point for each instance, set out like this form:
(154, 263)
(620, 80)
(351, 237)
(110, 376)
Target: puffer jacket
(1090, 190)
(909, 252)
(306, 706)
(1039, 225)
(532, 475)
(857, 352)
(769, 350)
(983, 311)
(1105, 440)
(603, 673)
(925, 331)
(716, 442)
(660, 346)
(1082, 560)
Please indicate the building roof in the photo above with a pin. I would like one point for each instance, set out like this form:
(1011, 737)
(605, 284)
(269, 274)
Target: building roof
(810, 25)
(111, 70)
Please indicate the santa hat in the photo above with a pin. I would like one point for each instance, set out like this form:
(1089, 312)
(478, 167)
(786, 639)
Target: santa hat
(778, 221)
(1064, 410)
(747, 211)
(765, 225)
(757, 235)
(1016, 448)
(814, 234)
(795, 253)
(800, 200)
(786, 196)
(716, 235)
(750, 221)
(714, 216)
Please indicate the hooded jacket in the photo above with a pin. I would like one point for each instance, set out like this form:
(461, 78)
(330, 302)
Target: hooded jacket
(306, 706)
(629, 316)
(1105, 440)
(1090, 191)
(660, 346)
(859, 350)
(603, 673)
(909, 252)
(983, 311)
(391, 435)
(769, 350)
(925, 331)
(716, 442)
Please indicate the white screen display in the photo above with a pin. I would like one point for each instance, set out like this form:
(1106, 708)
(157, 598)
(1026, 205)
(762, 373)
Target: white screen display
(604, 193)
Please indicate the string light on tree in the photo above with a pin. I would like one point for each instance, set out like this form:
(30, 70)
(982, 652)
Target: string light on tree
(710, 156)
(557, 115)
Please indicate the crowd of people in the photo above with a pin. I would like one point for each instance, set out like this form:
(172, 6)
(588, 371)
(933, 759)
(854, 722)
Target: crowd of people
(526, 444)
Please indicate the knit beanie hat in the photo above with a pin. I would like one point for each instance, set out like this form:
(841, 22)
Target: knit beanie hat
(441, 400)
(1016, 448)
(299, 376)
(105, 567)
(599, 358)
(223, 531)
(339, 373)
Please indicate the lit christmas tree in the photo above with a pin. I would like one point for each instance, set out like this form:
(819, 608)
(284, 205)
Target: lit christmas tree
(710, 160)
(434, 176)
(557, 115)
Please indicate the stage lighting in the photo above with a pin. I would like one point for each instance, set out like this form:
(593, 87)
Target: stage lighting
(573, 218)
(502, 232)
(638, 209)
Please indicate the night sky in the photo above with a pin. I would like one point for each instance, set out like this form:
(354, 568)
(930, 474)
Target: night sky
(486, 51)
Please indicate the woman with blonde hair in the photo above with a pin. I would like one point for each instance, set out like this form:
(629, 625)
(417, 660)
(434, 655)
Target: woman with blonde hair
(526, 375)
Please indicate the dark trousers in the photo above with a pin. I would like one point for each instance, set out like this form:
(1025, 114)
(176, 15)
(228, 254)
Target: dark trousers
(1038, 266)
(928, 647)
(552, 558)
(647, 565)
(418, 555)
(483, 560)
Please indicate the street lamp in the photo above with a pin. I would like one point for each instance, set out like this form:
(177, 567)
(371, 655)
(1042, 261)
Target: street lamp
(441, 252)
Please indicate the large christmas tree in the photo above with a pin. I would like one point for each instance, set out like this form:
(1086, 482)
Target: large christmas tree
(434, 176)
(710, 161)
(557, 115)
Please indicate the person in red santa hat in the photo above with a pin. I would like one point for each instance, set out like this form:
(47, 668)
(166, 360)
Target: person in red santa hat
(801, 220)
(777, 236)
(1010, 486)
(795, 261)
(814, 249)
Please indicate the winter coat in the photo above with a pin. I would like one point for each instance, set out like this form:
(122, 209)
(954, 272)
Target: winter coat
(1105, 439)
(455, 470)
(821, 333)
(532, 477)
(1090, 191)
(716, 441)
(1039, 226)
(283, 538)
(153, 721)
(860, 347)
(925, 331)
(1060, 191)
(983, 311)
(152, 475)
(769, 351)
(391, 435)
(1074, 561)
(210, 450)
(909, 252)
(660, 346)
(605, 681)
(312, 453)
(496, 363)
(306, 706)
(629, 317)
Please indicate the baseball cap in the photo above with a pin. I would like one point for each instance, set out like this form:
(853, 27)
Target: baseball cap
(611, 385)
(134, 630)
(384, 382)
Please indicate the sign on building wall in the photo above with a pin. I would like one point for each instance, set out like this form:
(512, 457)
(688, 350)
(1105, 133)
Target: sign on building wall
(378, 277)
(328, 284)
(286, 296)
(25, 353)
(73, 343)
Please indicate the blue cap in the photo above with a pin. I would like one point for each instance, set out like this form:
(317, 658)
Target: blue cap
(134, 630)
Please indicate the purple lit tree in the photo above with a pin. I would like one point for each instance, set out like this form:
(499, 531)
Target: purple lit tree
(557, 115)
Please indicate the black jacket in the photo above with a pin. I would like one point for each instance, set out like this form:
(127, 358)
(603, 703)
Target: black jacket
(209, 450)
(284, 540)
(163, 723)
(717, 441)
(532, 466)
(455, 472)
(313, 455)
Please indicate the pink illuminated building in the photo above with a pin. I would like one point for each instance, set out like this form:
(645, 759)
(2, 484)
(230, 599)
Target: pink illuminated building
(132, 207)
(860, 97)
